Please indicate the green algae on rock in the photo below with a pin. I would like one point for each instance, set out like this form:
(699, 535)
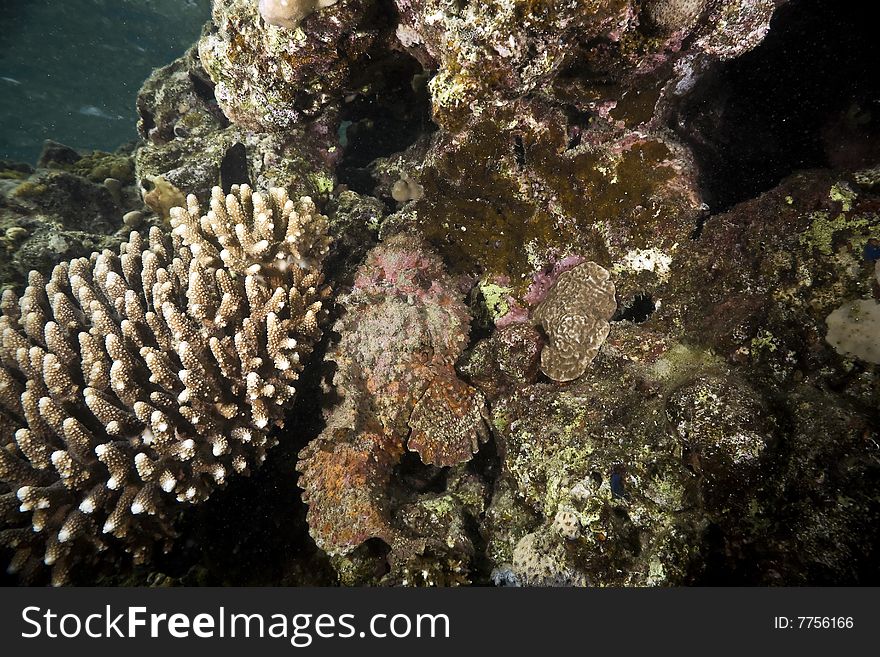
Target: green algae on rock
(507, 196)
(607, 479)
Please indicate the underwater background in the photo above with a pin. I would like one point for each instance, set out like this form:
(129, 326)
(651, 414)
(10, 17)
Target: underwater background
(70, 71)
(430, 293)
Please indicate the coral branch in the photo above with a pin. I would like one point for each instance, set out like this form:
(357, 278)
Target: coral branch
(132, 382)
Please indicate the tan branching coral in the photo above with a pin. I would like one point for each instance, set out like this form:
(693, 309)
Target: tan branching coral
(575, 316)
(132, 382)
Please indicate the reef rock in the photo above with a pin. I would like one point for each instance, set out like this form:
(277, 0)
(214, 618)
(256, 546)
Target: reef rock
(513, 193)
(589, 55)
(271, 78)
(68, 207)
(190, 144)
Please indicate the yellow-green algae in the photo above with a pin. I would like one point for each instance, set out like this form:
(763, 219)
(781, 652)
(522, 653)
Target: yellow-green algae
(495, 297)
(13, 174)
(29, 190)
(825, 229)
(97, 166)
(493, 216)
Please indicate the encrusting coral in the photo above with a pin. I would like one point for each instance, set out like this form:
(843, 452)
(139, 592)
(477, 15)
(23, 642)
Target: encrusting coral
(575, 317)
(132, 382)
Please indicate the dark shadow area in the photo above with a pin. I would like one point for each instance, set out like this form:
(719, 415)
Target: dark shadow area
(808, 96)
(391, 114)
(413, 475)
(636, 310)
(234, 167)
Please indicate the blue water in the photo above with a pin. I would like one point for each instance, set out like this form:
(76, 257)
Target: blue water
(70, 70)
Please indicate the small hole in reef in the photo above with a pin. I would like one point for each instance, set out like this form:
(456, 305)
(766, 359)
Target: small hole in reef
(234, 167)
(519, 151)
(147, 121)
(415, 475)
(202, 87)
(637, 310)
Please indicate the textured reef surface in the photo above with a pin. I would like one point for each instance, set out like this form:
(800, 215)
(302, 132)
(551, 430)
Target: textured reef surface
(528, 293)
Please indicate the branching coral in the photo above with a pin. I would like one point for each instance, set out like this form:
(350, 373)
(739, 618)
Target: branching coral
(130, 383)
(575, 317)
(403, 328)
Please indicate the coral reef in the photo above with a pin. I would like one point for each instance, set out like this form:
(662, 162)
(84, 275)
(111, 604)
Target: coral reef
(517, 191)
(589, 54)
(512, 194)
(797, 250)
(188, 142)
(137, 381)
(270, 78)
(68, 207)
(606, 484)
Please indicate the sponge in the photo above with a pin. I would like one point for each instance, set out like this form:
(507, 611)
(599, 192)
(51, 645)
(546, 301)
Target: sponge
(854, 330)
(290, 13)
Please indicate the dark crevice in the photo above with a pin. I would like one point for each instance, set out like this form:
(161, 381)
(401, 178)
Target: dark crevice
(483, 322)
(413, 475)
(148, 123)
(234, 167)
(203, 88)
(808, 96)
(636, 310)
(700, 224)
(390, 113)
(519, 152)
(578, 122)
